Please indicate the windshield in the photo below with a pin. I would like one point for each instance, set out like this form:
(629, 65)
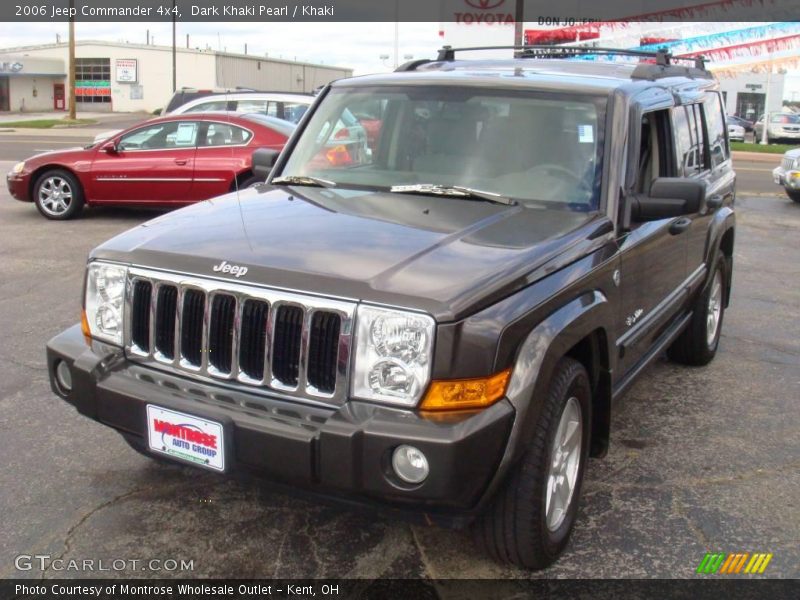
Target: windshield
(785, 118)
(538, 147)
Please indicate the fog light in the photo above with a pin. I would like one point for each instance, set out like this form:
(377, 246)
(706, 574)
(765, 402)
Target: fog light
(63, 377)
(410, 464)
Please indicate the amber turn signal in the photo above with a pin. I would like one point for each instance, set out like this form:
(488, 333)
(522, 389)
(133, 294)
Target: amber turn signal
(87, 333)
(458, 394)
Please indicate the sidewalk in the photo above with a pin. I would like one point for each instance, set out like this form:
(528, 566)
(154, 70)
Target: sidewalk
(105, 122)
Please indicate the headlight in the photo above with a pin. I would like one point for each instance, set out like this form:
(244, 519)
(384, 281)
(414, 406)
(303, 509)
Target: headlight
(105, 300)
(393, 354)
(17, 168)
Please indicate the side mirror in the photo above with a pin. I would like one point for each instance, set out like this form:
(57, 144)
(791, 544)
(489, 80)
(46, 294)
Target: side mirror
(263, 161)
(110, 147)
(669, 197)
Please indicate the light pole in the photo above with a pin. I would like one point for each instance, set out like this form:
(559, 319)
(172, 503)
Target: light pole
(174, 51)
(519, 23)
(764, 135)
(71, 78)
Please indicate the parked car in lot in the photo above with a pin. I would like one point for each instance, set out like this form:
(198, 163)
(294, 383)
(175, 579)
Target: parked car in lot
(787, 174)
(735, 132)
(174, 160)
(280, 105)
(748, 125)
(289, 107)
(440, 325)
(783, 128)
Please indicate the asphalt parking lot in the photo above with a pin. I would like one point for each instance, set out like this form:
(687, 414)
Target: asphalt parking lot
(703, 459)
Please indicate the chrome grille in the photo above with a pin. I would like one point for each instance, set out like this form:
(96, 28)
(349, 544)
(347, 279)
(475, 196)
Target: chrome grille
(788, 163)
(287, 343)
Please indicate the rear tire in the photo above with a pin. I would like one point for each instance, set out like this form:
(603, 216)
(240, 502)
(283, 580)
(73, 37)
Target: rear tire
(530, 519)
(794, 195)
(249, 182)
(58, 195)
(698, 343)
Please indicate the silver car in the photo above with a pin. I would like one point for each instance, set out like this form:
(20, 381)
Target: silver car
(788, 174)
(735, 132)
(782, 127)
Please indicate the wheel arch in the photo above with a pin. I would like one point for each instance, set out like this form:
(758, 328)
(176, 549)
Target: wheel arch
(39, 171)
(721, 238)
(578, 329)
(240, 178)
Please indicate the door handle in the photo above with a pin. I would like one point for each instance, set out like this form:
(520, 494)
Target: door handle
(714, 202)
(181, 161)
(680, 225)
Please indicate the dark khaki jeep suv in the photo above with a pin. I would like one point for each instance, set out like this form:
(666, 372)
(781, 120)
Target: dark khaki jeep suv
(439, 322)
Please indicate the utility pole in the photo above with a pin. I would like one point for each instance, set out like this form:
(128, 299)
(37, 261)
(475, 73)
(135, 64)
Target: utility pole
(174, 50)
(71, 77)
(519, 24)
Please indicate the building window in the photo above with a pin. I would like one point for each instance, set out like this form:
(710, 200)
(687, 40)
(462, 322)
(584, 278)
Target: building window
(92, 80)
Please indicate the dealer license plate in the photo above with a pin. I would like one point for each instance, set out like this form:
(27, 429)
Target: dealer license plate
(192, 439)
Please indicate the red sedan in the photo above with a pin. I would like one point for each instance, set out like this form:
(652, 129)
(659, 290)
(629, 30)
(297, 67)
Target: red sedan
(168, 161)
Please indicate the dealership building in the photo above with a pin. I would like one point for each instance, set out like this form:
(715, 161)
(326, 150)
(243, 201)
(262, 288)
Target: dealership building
(138, 77)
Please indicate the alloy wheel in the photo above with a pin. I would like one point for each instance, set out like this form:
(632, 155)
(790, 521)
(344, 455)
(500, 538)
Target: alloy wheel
(55, 195)
(714, 309)
(565, 462)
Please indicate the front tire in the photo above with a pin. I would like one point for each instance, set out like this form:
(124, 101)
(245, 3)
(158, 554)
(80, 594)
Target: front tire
(58, 195)
(530, 520)
(794, 195)
(698, 343)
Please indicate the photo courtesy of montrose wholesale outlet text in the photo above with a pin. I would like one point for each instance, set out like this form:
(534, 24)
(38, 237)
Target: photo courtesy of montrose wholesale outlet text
(443, 299)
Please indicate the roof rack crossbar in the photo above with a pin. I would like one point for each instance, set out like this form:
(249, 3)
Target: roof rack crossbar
(662, 56)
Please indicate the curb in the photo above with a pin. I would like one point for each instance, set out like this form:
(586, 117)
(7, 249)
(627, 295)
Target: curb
(77, 132)
(757, 157)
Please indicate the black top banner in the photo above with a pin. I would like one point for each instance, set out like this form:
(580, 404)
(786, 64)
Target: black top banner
(575, 13)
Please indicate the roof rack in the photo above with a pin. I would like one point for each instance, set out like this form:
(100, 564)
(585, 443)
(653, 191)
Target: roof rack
(662, 56)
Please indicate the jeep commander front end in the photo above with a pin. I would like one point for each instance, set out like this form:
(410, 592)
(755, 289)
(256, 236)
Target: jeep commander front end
(397, 318)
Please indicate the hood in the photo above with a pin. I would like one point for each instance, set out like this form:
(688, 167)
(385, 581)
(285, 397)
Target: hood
(447, 256)
(62, 155)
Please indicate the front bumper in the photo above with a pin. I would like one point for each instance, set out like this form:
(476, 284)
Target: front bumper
(780, 134)
(336, 451)
(788, 179)
(18, 186)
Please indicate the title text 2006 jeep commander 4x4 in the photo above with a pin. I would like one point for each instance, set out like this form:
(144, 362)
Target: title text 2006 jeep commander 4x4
(437, 321)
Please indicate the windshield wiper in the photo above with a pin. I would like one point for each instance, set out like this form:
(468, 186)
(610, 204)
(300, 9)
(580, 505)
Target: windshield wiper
(303, 180)
(453, 190)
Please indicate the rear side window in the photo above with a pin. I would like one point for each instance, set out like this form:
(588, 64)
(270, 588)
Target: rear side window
(689, 139)
(717, 143)
(294, 111)
(219, 134)
(212, 105)
(252, 106)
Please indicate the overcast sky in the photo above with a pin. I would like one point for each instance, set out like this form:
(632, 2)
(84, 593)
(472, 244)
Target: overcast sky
(355, 45)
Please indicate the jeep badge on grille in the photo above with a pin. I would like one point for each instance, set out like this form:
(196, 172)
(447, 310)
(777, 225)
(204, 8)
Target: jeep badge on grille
(235, 270)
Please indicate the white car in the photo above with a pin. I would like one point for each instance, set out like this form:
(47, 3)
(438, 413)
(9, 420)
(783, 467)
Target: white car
(285, 106)
(788, 174)
(735, 132)
(289, 107)
(783, 127)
